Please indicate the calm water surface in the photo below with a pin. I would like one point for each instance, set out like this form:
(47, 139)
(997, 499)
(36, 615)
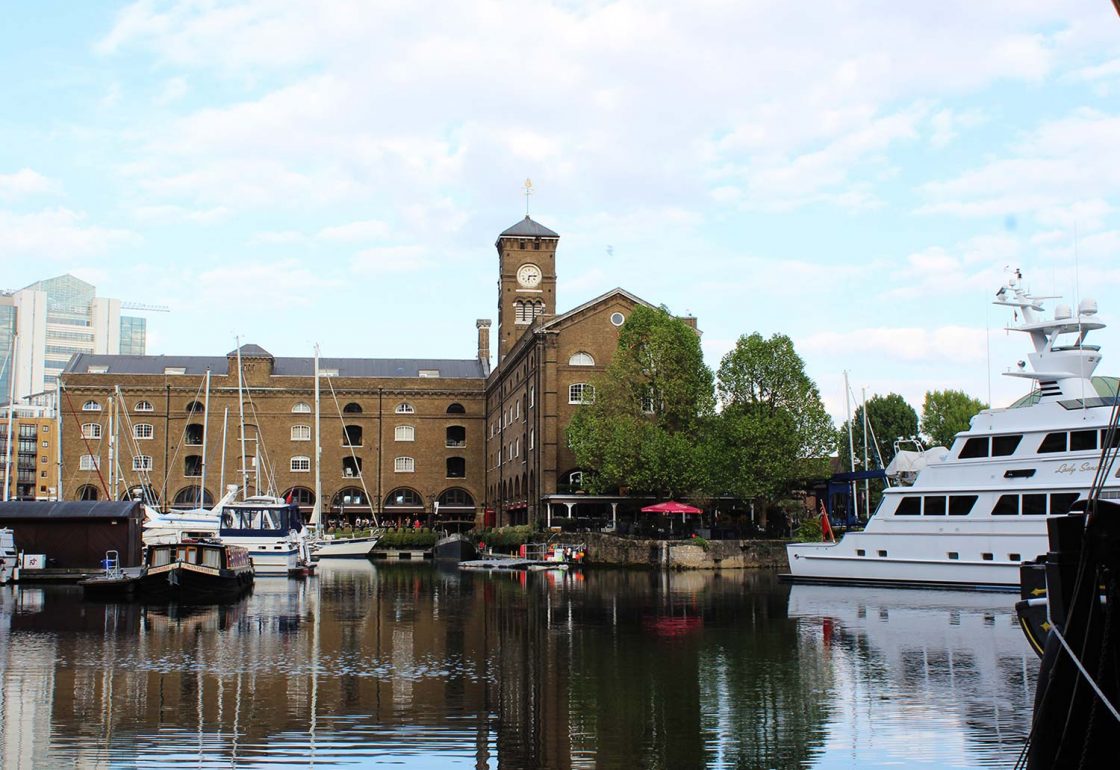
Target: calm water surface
(415, 667)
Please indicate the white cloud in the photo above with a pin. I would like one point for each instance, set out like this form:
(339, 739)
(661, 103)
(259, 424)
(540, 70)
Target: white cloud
(58, 234)
(275, 284)
(913, 343)
(25, 183)
(173, 90)
(364, 230)
(389, 259)
(170, 214)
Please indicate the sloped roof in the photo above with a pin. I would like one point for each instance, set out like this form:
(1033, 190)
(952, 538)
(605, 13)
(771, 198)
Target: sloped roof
(527, 228)
(70, 509)
(617, 291)
(249, 350)
(448, 368)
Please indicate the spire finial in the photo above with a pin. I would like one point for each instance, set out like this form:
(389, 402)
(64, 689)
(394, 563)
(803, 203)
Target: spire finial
(528, 192)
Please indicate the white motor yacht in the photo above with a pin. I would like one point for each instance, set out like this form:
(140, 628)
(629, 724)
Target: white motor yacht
(273, 531)
(978, 509)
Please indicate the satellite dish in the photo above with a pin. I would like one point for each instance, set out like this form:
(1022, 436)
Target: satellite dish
(1061, 312)
(1087, 307)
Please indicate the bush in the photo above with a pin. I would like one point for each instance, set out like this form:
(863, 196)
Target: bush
(406, 537)
(809, 531)
(700, 541)
(505, 538)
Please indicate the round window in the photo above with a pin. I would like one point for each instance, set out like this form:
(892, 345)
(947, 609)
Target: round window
(618, 319)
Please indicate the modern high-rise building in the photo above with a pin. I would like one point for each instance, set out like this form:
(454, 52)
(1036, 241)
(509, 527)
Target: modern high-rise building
(54, 319)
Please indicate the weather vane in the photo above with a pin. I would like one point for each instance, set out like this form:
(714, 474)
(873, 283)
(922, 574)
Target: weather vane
(528, 192)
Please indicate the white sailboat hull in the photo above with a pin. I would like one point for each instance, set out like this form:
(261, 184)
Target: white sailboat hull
(349, 548)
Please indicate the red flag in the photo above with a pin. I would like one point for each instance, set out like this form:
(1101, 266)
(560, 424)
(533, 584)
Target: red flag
(290, 496)
(826, 526)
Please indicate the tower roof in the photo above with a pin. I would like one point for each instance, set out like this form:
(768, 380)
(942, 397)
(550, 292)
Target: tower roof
(249, 350)
(527, 228)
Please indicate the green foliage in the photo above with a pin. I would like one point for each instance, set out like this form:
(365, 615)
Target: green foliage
(700, 541)
(810, 531)
(891, 418)
(407, 537)
(645, 428)
(505, 538)
(773, 429)
(946, 413)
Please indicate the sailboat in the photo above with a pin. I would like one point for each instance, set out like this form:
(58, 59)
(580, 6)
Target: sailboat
(326, 546)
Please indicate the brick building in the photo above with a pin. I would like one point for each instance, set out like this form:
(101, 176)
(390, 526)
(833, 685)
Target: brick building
(405, 438)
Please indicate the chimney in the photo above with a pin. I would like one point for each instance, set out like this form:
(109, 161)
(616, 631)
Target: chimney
(483, 326)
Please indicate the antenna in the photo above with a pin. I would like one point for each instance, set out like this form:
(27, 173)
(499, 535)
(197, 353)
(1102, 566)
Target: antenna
(528, 192)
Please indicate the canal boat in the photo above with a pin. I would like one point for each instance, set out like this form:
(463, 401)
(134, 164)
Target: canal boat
(195, 571)
(273, 532)
(979, 509)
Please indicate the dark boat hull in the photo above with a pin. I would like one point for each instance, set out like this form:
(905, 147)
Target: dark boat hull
(454, 548)
(189, 583)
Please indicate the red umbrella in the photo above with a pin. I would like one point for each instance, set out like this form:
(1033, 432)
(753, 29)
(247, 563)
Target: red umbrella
(672, 506)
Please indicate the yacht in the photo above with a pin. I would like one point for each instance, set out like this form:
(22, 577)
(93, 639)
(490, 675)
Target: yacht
(272, 530)
(978, 509)
(175, 525)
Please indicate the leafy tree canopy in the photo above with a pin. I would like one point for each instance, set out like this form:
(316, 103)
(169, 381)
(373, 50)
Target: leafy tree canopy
(645, 427)
(891, 418)
(945, 413)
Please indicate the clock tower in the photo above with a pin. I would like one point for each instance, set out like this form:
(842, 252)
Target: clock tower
(527, 280)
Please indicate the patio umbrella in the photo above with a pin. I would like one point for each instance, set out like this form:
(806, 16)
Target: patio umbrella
(671, 506)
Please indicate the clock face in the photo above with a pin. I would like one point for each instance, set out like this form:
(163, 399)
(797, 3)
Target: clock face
(529, 276)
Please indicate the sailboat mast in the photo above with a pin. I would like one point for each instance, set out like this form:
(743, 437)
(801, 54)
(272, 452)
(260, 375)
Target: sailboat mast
(112, 455)
(205, 423)
(866, 499)
(222, 472)
(317, 511)
(241, 418)
(11, 410)
(851, 443)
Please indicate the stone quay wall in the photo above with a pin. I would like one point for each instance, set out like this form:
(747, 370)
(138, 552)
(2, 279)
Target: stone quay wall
(611, 551)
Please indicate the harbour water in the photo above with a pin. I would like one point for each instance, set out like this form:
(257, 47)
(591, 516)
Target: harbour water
(410, 666)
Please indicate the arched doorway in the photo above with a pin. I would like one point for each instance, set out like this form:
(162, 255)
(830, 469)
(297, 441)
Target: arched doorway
(187, 498)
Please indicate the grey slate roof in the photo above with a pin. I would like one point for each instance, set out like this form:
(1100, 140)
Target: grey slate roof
(527, 228)
(70, 509)
(448, 368)
(250, 350)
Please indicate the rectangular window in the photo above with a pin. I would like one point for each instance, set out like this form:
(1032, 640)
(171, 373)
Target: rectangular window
(934, 505)
(532, 395)
(141, 463)
(1005, 445)
(429, 373)
(580, 393)
(143, 430)
(953, 555)
(1054, 442)
(406, 433)
(1034, 505)
(961, 505)
(1007, 505)
(97, 369)
(301, 433)
(1060, 502)
(91, 430)
(1115, 439)
(974, 447)
(301, 464)
(532, 438)
(87, 463)
(1082, 440)
(174, 370)
(328, 372)
(404, 465)
(911, 505)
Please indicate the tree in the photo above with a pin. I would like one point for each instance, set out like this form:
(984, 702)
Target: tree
(773, 428)
(645, 427)
(891, 418)
(945, 413)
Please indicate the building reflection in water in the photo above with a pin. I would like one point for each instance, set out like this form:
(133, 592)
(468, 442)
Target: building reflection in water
(410, 664)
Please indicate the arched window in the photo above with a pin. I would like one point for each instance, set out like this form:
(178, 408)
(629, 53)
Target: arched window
(143, 431)
(521, 311)
(405, 408)
(91, 406)
(352, 408)
(456, 408)
(88, 492)
(456, 436)
(456, 468)
(404, 433)
(193, 435)
(404, 465)
(403, 497)
(144, 406)
(352, 435)
(142, 492)
(581, 359)
(537, 309)
(301, 496)
(91, 430)
(301, 408)
(192, 465)
(348, 497)
(195, 407)
(456, 498)
(188, 497)
(301, 433)
(300, 464)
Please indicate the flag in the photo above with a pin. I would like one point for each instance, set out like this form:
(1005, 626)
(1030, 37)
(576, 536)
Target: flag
(826, 526)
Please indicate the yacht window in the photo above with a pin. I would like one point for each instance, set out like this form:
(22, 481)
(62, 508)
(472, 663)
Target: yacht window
(883, 554)
(974, 447)
(1007, 505)
(1081, 440)
(860, 552)
(961, 505)
(1034, 505)
(935, 505)
(1014, 557)
(1060, 502)
(1005, 445)
(1054, 442)
(986, 556)
(909, 506)
(1115, 439)
(954, 555)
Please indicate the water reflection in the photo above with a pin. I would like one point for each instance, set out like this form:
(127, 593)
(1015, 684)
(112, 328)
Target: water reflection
(413, 665)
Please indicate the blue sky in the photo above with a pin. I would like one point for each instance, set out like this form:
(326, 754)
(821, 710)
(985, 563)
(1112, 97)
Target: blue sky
(857, 176)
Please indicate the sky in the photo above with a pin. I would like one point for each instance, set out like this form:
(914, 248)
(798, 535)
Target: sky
(857, 175)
